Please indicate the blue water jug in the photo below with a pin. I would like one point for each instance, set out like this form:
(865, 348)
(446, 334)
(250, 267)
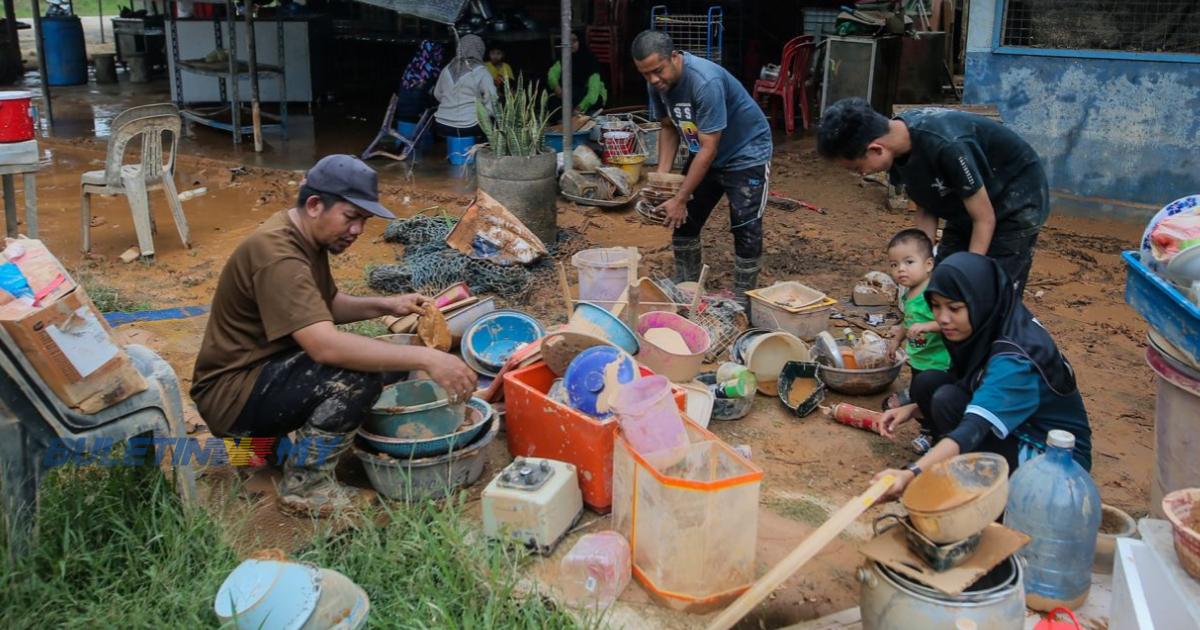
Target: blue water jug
(1054, 500)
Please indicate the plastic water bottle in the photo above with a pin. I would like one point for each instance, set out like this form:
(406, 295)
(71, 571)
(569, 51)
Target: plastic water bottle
(596, 570)
(735, 380)
(1054, 500)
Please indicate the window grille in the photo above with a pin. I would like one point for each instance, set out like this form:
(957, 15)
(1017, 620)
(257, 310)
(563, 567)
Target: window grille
(1161, 26)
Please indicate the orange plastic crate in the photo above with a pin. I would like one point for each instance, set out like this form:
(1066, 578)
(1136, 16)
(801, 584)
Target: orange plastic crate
(539, 427)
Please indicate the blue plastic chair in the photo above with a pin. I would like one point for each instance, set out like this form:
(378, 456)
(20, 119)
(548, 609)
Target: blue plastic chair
(388, 134)
(32, 418)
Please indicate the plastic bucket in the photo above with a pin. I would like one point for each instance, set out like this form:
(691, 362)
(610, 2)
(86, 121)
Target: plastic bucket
(603, 274)
(650, 419)
(407, 129)
(631, 164)
(1176, 419)
(459, 150)
(767, 354)
(16, 117)
(618, 143)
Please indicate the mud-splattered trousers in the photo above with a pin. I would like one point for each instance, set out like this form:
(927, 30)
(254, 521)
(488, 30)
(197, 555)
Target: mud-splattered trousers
(293, 391)
(747, 192)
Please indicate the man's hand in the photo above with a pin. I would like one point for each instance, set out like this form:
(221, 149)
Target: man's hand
(452, 375)
(903, 477)
(893, 418)
(676, 208)
(411, 303)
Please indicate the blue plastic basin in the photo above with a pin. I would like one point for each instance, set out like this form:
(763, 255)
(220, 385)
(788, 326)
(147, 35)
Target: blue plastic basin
(432, 447)
(493, 338)
(414, 410)
(614, 329)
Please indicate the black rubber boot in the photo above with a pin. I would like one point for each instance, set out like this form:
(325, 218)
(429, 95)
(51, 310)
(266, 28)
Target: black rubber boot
(689, 254)
(745, 278)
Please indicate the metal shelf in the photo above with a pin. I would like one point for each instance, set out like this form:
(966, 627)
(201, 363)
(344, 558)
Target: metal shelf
(221, 68)
(229, 73)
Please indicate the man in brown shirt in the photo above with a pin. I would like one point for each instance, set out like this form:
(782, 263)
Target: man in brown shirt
(273, 362)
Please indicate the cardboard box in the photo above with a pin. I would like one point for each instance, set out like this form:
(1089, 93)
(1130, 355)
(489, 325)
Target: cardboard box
(67, 340)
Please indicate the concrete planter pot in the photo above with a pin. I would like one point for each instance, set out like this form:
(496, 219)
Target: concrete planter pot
(526, 186)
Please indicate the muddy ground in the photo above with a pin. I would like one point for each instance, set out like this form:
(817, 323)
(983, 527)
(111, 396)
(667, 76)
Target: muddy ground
(812, 465)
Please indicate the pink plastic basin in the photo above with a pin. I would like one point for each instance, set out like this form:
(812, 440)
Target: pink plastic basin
(680, 368)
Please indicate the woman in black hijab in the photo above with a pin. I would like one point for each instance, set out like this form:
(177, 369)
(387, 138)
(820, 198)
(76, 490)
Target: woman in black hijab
(1008, 385)
(588, 93)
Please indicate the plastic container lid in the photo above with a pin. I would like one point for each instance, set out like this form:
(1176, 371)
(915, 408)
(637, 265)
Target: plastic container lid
(13, 95)
(584, 378)
(1060, 439)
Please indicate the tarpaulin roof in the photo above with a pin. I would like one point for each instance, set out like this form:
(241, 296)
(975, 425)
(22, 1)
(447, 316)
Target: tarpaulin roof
(444, 11)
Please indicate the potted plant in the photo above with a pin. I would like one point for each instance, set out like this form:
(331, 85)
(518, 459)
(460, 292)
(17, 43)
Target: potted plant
(515, 167)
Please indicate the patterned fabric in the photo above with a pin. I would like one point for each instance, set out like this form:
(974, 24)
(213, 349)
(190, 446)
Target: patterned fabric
(425, 66)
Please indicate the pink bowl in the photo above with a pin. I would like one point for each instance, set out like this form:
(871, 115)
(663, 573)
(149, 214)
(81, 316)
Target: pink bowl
(680, 368)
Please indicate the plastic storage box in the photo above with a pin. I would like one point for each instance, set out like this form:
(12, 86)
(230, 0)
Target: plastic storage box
(692, 528)
(539, 427)
(1162, 305)
(805, 322)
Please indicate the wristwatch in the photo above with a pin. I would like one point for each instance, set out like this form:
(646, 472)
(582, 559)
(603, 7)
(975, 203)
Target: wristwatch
(914, 469)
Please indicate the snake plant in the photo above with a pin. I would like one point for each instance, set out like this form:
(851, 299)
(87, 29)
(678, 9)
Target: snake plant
(516, 125)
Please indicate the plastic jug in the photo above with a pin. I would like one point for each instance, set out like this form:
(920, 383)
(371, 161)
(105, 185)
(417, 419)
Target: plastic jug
(596, 570)
(649, 418)
(735, 380)
(1054, 500)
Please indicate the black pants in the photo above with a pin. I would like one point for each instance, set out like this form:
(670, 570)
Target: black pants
(747, 192)
(293, 391)
(446, 131)
(943, 402)
(1014, 254)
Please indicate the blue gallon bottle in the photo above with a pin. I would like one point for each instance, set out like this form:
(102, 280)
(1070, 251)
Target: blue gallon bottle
(1054, 500)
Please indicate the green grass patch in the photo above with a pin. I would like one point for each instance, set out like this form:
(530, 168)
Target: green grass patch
(117, 550)
(802, 510)
(109, 299)
(366, 328)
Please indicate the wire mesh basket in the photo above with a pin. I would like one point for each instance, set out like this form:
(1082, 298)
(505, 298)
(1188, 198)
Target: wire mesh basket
(621, 138)
(702, 34)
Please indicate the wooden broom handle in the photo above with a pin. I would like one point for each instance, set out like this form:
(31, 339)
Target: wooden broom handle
(800, 555)
(699, 291)
(565, 285)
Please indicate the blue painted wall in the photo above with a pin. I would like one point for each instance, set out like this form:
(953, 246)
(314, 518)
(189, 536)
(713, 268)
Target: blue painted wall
(1115, 134)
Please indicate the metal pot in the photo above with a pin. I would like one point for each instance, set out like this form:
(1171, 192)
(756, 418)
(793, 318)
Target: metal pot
(890, 601)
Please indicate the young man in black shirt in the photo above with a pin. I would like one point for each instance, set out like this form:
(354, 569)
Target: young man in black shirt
(976, 174)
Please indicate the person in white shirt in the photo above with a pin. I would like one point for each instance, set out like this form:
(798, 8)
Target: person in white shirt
(465, 80)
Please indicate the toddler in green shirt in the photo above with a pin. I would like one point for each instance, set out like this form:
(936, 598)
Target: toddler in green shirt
(910, 255)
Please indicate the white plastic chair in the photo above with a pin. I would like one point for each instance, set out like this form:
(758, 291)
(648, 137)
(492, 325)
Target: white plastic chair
(149, 123)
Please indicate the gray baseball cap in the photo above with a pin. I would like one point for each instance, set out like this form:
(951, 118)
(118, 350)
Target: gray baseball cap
(349, 178)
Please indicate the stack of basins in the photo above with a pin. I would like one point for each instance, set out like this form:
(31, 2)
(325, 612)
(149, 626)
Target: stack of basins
(416, 444)
(951, 536)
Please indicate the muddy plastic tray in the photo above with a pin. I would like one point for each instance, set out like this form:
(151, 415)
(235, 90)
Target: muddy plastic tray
(1162, 305)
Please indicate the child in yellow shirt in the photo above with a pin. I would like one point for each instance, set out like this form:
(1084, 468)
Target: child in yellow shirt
(499, 68)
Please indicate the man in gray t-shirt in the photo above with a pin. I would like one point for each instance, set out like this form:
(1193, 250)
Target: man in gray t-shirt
(699, 103)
